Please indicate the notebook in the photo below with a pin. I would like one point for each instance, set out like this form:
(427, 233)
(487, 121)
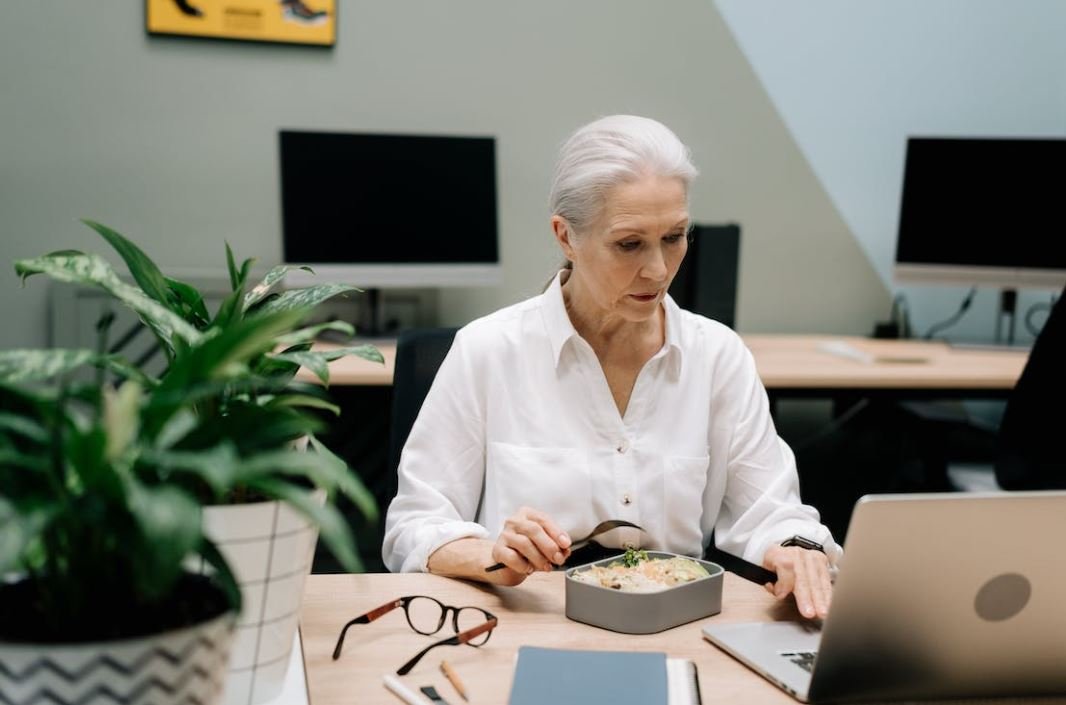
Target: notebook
(568, 677)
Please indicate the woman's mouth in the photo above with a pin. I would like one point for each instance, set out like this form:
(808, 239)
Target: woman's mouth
(645, 298)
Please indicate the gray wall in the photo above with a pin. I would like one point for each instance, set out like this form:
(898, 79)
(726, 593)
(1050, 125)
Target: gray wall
(852, 80)
(173, 142)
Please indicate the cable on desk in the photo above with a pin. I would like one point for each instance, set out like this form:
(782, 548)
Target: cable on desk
(954, 318)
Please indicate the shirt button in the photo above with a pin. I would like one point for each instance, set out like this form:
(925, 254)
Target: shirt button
(626, 500)
(623, 445)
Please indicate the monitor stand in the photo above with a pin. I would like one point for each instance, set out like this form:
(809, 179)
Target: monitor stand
(1008, 307)
(371, 326)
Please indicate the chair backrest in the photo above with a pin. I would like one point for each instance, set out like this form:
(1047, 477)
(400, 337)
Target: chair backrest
(706, 283)
(1031, 454)
(419, 354)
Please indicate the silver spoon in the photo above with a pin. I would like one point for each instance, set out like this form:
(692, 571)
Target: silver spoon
(601, 528)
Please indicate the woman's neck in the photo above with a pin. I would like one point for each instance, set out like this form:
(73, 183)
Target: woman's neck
(605, 330)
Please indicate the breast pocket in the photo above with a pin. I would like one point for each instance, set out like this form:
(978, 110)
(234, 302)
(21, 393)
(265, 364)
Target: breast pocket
(684, 479)
(552, 480)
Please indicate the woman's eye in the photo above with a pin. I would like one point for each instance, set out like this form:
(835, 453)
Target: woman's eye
(676, 237)
(629, 245)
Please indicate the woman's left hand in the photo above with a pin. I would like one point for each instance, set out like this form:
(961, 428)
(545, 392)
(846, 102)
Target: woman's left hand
(804, 573)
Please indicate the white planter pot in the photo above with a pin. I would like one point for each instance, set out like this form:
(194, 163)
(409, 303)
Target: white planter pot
(183, 666)
(269, 547)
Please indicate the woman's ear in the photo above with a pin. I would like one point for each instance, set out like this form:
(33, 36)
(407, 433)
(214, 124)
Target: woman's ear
(564, 236)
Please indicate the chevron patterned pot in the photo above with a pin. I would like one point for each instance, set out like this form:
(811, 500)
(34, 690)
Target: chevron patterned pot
(270, 548)
(181, 667)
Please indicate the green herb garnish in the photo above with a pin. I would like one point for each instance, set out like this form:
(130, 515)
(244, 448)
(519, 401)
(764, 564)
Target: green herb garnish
(633, 556)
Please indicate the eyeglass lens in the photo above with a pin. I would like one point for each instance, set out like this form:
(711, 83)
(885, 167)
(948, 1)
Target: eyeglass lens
(427, 616)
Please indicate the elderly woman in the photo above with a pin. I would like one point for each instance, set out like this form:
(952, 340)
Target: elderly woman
(601, 399)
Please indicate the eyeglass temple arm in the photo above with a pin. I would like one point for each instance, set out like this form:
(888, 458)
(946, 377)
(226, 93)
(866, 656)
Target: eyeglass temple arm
(460, 638)
(364, 619)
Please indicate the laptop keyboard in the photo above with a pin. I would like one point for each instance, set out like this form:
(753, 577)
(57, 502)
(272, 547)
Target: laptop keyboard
(803, 659)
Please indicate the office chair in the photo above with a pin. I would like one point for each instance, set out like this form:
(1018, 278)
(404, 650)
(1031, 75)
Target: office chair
(419, 354)
(706, 282)
(1031, 454)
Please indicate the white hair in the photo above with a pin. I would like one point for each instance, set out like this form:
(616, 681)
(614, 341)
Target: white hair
(610, 151)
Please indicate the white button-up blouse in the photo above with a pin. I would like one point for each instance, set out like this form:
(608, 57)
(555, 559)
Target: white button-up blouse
(520, 414)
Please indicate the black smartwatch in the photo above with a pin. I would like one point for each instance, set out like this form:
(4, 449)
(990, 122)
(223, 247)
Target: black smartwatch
(803, 543)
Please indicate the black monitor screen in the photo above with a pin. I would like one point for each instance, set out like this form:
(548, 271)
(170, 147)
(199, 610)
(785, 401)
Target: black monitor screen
(984, 202)
(367, 198)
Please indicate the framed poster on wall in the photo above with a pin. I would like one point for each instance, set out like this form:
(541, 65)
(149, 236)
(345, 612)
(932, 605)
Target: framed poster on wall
(311, 22)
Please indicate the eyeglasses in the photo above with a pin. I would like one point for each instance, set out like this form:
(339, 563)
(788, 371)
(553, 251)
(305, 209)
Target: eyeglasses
(472, 625)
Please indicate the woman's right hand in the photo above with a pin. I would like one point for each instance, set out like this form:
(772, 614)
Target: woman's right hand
(529, 541)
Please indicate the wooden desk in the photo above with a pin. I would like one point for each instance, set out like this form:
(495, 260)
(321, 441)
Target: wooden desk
(531, 614)
(798, 365)
(795, 365)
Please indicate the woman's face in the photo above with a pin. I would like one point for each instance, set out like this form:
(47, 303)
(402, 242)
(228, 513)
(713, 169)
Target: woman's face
(626, 261)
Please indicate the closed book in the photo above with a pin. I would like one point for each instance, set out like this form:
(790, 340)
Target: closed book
(570, 677)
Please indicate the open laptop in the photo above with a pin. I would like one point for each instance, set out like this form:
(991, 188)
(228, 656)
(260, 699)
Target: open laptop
(938, 596)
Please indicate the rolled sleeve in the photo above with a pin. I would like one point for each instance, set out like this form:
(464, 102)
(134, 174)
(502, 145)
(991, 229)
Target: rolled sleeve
(762, 505)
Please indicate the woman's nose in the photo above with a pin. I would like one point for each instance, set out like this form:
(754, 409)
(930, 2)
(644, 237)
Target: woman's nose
(655, 265)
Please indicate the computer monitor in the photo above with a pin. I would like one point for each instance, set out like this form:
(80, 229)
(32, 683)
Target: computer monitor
(979, 211)
(389, 210)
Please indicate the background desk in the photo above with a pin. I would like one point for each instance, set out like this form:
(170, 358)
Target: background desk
(794, 365)
(789, 365)
(532, 614)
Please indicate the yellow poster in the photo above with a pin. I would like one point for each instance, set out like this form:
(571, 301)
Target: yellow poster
(287, 21)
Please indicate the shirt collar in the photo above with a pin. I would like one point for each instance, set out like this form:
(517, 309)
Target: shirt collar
(556, 319)
(561, 329)
(672, 345)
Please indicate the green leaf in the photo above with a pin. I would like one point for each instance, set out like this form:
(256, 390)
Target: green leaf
(176, 428)
(95, 271)
(309, 334)
(193, 300)
(36, 365)
(315, 362)
(144, 270)
(226, 355)
(169, 523)
(231, 265)
(275, 275)
(23, 426)
(219, 467)
(39, 365)
(14, 459)
(229, 310)
(305, 298)
(20, 526)
(223, 573)
(304, 400)
(347, 481)
(246, 269)
(332, 527)
(367, 352)
(124, 369)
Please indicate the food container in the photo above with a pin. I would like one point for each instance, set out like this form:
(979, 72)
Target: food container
(644, 612)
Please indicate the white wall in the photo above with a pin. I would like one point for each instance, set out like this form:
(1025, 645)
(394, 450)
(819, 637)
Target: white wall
(852, 80)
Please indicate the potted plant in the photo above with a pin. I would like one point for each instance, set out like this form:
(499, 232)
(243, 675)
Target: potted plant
(266, 528)
(100, 514)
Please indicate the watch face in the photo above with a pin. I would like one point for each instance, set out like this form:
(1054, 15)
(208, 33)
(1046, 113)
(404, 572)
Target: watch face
(803, 543)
